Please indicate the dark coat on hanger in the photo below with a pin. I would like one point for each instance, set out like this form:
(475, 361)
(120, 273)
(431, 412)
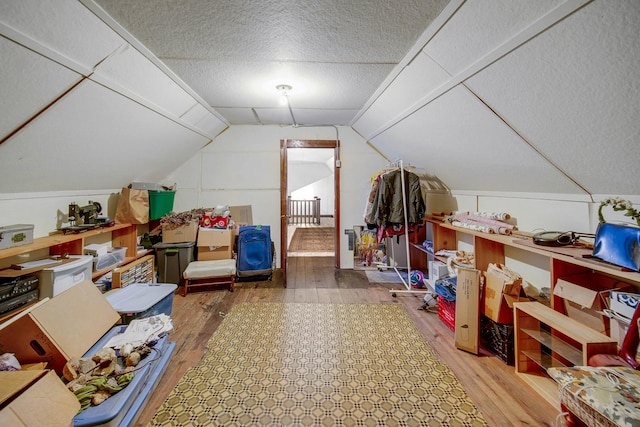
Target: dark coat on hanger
(388, 207)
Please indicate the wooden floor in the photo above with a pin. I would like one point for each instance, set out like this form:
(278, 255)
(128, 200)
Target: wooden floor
(499, 394)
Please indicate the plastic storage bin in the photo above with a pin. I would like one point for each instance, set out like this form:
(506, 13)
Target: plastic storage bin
(140, 300)
(123, 407)
(55, 280)
(172, 259)
(160, 203)
(114, 257)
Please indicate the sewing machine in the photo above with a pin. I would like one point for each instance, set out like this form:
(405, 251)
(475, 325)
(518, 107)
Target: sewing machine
(88, 214)
(82, 218)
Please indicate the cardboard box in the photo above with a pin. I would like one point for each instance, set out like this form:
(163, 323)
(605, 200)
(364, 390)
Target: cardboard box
(36, 398)
(181, 234)
(467, 332)
(57, 329)
(214, 244)
(582, 302)
(241, 215)
(499, 287)
(624, 303)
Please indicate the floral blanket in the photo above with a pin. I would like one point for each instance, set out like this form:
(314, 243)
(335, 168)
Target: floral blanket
(600, 395)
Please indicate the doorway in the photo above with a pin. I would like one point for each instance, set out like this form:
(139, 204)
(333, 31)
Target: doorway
(309, 196)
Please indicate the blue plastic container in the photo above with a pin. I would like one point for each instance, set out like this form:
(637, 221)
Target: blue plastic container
(127, 403)
(140, 300)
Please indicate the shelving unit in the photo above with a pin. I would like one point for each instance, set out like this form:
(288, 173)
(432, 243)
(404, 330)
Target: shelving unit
(538, 347)
(563, 261)
(139, 271)
(120, 235)
(565, 340)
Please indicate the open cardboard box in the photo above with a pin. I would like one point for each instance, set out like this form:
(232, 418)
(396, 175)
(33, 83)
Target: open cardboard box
(214, 244)
(582, 301)
(57, 329)
(35, 398)
(501, 289)
(182, 234)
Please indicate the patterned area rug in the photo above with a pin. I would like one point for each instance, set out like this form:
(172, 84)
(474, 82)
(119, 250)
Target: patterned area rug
(312, 239)
(303, 364)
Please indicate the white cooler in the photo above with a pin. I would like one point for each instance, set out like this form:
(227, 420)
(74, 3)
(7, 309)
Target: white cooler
(55, 280)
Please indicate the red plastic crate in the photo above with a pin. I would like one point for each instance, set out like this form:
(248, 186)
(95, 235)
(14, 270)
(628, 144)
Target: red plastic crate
(447, 312)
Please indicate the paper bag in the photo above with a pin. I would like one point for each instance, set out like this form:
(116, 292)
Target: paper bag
(133, 206)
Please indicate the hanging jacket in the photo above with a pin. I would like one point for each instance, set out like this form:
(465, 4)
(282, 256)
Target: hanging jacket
(388, 209)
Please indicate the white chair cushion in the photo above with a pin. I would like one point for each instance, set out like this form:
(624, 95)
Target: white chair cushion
(207, 269)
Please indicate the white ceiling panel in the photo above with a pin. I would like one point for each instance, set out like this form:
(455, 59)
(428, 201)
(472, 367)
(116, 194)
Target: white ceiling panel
(573, 93)
(309, 116)
(274, 116)
(238, 116)
(328, 31)
(65, 26)
(417, 79)
(233, 54)
(28, 83)
(130, 69)
(479, 27)
(226, 84)
(210, 125)
(458, 140)
(75, 147)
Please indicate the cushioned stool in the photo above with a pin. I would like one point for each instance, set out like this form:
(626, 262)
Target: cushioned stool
(209, 273)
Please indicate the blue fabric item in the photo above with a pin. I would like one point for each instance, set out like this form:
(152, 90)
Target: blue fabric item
(254, 249)
(446, 288)
(618, 244)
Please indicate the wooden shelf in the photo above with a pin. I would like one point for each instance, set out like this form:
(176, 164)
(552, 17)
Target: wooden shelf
(573, 255)
(58, 244)
(544, 336)
(544, 360)
(563, 349)
(58, 239)
(539, 347)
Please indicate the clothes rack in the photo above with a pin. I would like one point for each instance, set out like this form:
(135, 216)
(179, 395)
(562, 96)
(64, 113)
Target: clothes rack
(407, 283)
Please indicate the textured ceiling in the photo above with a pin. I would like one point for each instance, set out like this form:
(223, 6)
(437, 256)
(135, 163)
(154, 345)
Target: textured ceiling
(334, 53)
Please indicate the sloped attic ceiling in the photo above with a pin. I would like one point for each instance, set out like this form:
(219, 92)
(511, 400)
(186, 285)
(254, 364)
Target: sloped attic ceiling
(83, 110)
(490, 95)
(334, 54)
(536, 97)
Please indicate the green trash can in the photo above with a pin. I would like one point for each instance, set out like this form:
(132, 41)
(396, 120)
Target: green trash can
(160, 203)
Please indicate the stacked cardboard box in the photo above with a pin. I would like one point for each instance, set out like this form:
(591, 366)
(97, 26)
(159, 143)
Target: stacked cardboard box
(184, 233)
(215, 244)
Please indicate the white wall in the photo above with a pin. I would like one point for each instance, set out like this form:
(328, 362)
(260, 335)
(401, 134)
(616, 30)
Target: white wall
(48, 211)
(242, 167)
(323, 189)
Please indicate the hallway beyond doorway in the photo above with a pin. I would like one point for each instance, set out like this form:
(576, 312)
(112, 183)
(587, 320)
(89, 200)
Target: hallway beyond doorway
(325, 222)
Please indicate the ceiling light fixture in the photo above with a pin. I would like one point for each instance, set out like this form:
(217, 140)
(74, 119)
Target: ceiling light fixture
(283, 90)
(284, 100)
